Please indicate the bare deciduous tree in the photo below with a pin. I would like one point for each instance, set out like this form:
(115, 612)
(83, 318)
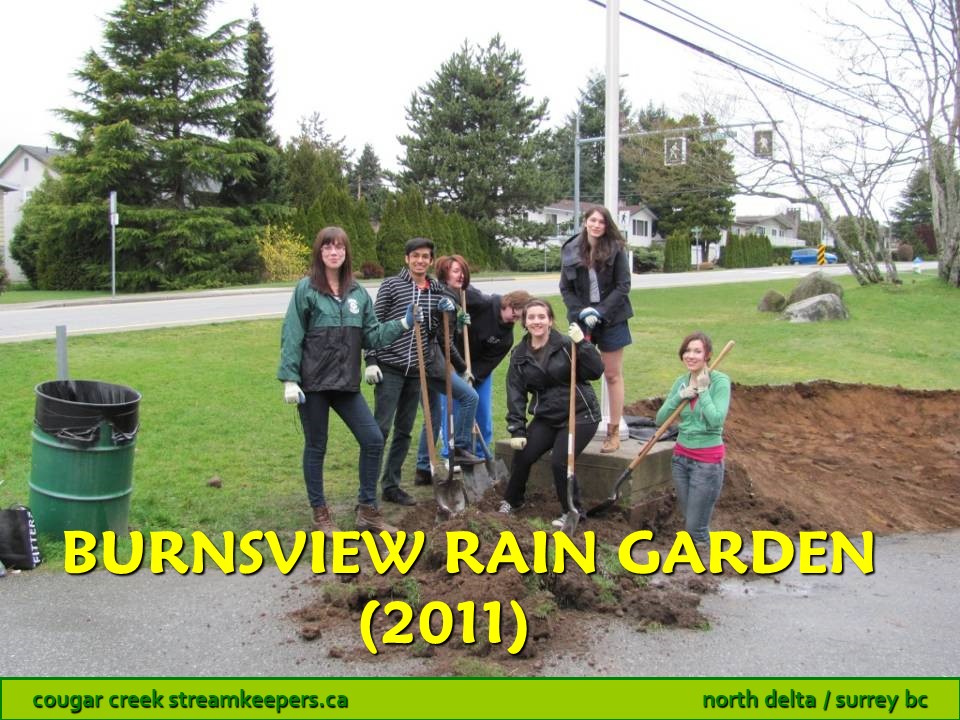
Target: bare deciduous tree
(905, 56)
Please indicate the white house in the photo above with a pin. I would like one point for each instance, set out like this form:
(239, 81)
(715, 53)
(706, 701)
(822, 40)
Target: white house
(781, 229)
(637, 222)
(20, 172)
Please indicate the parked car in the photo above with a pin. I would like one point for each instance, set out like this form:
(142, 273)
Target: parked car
(808, 256)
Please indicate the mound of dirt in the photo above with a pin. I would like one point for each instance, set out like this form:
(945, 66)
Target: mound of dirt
(823, 456)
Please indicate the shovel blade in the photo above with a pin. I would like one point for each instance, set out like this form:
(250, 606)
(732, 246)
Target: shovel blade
(449, 494)
(570, 520)
(476, 482)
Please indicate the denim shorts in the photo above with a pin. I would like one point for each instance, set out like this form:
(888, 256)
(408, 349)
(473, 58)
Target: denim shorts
(608, 338)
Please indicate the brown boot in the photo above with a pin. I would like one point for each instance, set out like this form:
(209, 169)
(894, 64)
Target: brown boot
(322, 520)
(611, 443)
(369, 518)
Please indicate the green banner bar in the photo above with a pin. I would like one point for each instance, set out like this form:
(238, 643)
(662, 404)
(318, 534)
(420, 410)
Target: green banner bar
(546, 698)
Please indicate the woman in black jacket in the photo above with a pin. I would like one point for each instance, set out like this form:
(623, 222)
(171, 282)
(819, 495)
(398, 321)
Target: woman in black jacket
(538, 382)
(595, 284)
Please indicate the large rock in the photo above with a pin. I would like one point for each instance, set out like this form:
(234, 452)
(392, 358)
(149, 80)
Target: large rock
(821, 307)
(816, 283)
(772, 301)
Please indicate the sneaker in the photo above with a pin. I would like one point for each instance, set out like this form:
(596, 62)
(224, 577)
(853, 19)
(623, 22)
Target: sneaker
(465, 457)
(558, 523)
(422, 477)
(506, 508)
(398, 496)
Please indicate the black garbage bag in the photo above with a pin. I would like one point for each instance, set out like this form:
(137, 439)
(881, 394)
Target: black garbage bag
(642, 428)
(72, 411)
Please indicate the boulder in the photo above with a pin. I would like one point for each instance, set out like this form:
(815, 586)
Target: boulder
(816, 283)
(772, 301)
(820, 307)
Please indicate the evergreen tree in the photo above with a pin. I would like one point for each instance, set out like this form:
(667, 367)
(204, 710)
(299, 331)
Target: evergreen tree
(313, 160)
(366, 181)
(157, 102)
(263, 179)
(475, 143)
(913, 215)
(592, 125)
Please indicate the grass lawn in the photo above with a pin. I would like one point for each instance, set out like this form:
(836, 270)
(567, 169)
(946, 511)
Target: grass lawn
(212, 406)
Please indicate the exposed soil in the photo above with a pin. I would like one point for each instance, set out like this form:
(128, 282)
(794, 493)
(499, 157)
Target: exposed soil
(821, 456)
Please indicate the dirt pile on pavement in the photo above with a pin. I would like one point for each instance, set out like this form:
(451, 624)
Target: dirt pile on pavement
(812, 456)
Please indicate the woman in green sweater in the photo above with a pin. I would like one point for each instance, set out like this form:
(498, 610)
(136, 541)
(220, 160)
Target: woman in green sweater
(699, 452)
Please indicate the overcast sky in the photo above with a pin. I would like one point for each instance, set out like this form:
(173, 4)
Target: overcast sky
(357, 63)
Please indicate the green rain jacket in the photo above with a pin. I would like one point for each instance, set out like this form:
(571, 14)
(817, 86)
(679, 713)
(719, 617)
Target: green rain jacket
(322, 338)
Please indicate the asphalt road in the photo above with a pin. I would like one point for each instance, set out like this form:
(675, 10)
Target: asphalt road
(899, 621)
(19, 323)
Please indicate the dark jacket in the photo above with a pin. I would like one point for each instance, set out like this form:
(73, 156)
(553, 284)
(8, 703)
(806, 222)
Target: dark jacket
(490, 338)
(322, 337)
(613, 278)
(544, 392)
(393, 297)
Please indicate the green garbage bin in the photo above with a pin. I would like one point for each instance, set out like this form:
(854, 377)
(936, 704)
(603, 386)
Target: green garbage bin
(84, 437)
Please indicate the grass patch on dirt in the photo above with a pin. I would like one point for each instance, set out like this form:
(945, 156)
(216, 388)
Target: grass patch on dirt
(212, 406)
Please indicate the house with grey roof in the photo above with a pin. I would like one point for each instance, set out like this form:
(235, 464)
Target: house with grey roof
(636, 222)
(20, 173)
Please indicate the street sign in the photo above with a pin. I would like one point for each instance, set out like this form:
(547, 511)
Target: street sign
(763, 143)
(822, 255)
(674, 151)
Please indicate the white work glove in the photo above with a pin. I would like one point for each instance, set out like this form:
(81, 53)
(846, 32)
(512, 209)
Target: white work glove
(414, 314)
(589, 317)
(576, 333)
(293, 394)
(468, 376)
(689, 391)
(373, 375)
(446, 305)
(703, 381)
(518, 443)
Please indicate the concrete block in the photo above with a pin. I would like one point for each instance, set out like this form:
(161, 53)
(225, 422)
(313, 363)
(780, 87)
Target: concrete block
(597, 472)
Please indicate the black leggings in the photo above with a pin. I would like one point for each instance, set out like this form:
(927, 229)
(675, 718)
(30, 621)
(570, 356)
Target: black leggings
(542, 437)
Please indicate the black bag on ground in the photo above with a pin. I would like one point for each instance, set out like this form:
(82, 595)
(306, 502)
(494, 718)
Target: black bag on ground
(19, 547)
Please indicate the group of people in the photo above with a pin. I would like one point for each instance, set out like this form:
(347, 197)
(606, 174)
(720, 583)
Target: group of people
(331, 321)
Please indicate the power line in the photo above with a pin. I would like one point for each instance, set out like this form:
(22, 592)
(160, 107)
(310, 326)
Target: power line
(753, 48)
(750, 71)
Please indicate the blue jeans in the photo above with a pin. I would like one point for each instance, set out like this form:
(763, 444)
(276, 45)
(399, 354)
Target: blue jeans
(396, 398)
(485, 412)
(698, 486)
(465, 413)
(353, 410)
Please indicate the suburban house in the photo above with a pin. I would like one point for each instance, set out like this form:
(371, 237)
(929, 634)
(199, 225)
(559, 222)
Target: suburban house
(637, 222)
(781, 229)
(20, 172)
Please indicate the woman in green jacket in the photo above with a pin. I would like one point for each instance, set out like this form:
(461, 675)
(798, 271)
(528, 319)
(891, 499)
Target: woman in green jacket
(699, 451)
(329, 321)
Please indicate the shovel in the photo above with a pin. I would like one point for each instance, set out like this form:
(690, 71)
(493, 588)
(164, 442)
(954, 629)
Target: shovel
(615, 495)
(446, 491)
(572, 516)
